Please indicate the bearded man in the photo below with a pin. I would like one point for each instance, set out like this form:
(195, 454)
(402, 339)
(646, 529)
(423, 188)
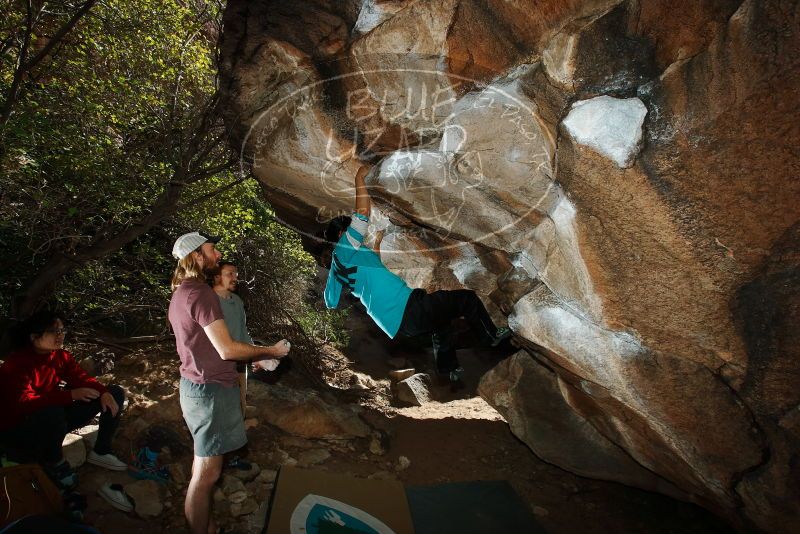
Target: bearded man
(209, 387)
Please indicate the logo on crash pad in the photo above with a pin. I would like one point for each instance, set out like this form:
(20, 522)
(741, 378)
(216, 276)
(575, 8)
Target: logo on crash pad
(316, 514)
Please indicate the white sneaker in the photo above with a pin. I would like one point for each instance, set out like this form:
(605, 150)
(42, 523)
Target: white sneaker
(108, 461)
(114, 495)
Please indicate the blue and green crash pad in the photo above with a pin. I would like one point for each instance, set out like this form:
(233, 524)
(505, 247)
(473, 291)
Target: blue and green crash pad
(307, 501)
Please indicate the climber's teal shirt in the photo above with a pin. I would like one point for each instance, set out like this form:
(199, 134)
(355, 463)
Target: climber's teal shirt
(383, 293)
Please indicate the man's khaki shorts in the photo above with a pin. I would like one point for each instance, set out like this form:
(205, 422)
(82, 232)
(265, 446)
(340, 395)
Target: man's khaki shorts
(214, 417)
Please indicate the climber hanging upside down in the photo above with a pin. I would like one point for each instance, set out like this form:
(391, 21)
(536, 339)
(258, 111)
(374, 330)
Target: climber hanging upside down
(396, 308)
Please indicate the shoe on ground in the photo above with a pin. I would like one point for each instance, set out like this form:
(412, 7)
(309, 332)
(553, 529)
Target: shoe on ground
(114, 495)
(501, 335)
(107, 461)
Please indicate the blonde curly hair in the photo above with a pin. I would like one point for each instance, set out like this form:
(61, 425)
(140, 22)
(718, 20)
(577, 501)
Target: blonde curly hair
(187, 267)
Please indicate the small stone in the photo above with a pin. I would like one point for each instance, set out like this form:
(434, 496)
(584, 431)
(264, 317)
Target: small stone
(248, 506)
(146, 498)
(250, 422)
(375, 446)
(312, 457)
(541, 512)
(74, 450)
(279, 456)
(401, 374)
(89, 435)
(250, 411)
(403, 463)
(415, 390)
(361, 382)
(267, 475)
(258, 518)
(237, 496)
(246, 475)
(231, 484)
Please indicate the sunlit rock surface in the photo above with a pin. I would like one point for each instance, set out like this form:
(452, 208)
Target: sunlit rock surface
(615, 179)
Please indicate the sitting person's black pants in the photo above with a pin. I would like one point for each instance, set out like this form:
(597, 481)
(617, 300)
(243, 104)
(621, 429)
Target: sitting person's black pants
(434, 313)
(38, 438)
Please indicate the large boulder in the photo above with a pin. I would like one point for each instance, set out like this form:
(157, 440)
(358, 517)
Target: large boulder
(536, 403)
(616, 179)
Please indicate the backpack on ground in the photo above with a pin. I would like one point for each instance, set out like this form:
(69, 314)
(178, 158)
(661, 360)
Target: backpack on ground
(25, 490)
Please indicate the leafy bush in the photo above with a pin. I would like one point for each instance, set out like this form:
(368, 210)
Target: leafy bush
(110, 147)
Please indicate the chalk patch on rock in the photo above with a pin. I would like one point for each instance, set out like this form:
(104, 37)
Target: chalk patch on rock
(374, 13)
(611, 126)
(595, 352)
(466, 268)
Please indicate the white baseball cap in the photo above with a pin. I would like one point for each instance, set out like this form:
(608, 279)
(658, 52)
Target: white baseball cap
(188, 243)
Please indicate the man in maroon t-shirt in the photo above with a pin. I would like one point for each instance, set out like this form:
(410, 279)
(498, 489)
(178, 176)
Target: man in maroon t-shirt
(209, 390)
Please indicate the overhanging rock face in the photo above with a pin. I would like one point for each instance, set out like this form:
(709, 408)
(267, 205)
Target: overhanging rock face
(619, 177)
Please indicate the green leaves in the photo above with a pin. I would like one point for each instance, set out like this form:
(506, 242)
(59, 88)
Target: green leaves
(102, 122)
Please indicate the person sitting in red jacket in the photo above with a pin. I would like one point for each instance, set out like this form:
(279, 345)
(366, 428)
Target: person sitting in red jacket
(44, 394)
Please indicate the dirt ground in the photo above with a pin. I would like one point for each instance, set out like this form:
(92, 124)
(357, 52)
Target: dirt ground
(458, 438)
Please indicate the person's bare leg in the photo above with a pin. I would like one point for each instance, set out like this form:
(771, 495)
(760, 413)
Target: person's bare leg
(205, 472)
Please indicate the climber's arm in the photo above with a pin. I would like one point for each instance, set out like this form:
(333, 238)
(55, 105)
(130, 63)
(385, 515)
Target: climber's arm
(363, 203)
(377, 243)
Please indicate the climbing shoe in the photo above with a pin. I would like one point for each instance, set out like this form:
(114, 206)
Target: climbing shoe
(451, 379)
(501, 335)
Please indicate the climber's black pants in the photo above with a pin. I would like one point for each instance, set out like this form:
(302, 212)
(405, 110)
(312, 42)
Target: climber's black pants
(433, 313)
(39, 436)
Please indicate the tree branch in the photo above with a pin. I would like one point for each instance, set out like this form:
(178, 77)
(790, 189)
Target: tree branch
(207, 172)
(60, 34)
(24, 65)
(19, 71)
(212, 194)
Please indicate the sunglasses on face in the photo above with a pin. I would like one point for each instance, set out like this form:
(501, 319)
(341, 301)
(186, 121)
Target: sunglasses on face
(56, 331)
